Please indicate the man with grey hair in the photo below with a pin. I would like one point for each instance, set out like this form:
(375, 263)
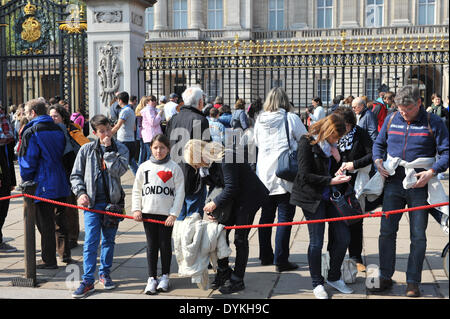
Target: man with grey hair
(189, 123)
(404, 154)
(365, 118)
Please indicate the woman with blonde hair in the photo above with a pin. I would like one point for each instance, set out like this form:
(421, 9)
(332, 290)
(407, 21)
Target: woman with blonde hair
(230, 183)
(276, 130)
(143, 150)
(311, 192)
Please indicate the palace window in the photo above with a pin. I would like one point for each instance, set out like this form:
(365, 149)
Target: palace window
(427, 10)
(149, 19)
(215, 14)
(324, 14)
(324, 89)
(372, 85)
(180, 14)
(374, 13)
(276, 15)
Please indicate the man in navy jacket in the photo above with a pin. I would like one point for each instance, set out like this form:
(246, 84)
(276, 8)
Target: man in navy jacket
(408, 134)
(40, 160)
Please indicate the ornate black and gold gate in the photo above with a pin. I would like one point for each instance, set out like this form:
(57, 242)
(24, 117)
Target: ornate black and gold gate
(305, 68)
(43, 51)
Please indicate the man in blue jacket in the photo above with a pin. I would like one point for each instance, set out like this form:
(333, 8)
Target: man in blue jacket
(408, 134)
(40, 160)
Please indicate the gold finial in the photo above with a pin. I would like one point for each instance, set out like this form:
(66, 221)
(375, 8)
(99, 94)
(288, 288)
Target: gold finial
(343, 39)
(236, 40)
(30, 9)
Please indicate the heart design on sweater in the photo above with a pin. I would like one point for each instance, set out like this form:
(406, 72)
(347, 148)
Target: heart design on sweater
(164, 175)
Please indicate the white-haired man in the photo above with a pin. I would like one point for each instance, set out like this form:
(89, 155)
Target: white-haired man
(189, 123)
(365, 118)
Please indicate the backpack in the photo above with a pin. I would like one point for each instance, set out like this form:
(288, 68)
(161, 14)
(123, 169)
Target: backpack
(381, 114)
(76, 136)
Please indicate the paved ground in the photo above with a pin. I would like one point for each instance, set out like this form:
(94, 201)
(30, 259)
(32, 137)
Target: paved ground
(262, 282)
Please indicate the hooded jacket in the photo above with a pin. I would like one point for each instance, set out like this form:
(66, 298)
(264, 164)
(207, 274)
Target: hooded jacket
(41, 158)
(270, 138)
(86, 170)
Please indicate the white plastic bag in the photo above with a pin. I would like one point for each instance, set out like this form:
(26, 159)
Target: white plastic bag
(348, 269)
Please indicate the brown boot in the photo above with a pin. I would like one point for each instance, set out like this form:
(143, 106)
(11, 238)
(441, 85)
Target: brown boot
(412, 290)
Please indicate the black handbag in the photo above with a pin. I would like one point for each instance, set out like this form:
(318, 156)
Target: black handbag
(287, 161)
(222, 214)
(346, 204)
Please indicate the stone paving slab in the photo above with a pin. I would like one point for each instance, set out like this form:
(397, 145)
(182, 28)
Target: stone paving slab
(130, 271)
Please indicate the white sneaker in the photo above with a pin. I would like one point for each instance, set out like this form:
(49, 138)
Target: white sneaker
(163, 283)
(150, 289)
(320, 292)
(341, 286)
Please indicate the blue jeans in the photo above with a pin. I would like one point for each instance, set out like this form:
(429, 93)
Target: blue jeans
(131, 160)
(193, 204)
(337, 249)
(396, 197)
(286, 213)
(93, 229)
(145, 152)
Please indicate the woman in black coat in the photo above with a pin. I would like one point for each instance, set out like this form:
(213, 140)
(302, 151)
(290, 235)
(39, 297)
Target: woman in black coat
(235, 184)
(317, 165)
(355, 149)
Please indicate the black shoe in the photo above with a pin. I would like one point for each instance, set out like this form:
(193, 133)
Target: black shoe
(42, 265)
(384, 284)
(266, 262)
(73, 244)
(231, 286)
(286, 267)
(221, 277)
(69, 261)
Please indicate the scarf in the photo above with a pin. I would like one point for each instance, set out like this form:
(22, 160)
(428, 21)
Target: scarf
(159, 162)
(346, 142)
(437, 109)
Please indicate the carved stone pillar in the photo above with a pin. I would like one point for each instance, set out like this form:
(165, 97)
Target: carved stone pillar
(116, 35)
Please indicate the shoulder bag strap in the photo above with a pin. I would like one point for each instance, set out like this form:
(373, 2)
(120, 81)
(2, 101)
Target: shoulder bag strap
(286, 126)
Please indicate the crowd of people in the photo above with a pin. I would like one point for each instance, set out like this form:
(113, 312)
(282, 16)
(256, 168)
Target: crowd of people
(195, 156)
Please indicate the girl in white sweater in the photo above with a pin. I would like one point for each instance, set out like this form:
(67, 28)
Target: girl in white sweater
(158, 194)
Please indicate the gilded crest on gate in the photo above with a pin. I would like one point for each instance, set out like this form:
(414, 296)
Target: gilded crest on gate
(32, 30)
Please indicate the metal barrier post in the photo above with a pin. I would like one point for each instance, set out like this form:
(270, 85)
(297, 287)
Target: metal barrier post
(29, 219)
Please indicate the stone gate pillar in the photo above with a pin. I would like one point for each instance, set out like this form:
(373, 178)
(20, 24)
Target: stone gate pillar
(116, 36)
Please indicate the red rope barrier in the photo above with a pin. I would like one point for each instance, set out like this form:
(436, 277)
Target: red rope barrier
(374, 214)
